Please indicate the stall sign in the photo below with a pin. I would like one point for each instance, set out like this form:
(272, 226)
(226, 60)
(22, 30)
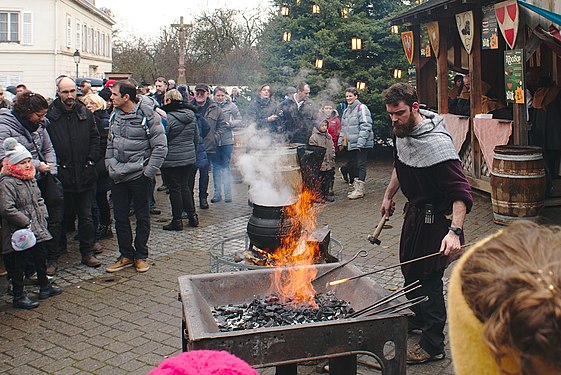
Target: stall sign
(432, 28)
(408, 47)
(489, 29)
(514, 76)
(464, 22)
(412, 75)
(508, 15)
(424, 40)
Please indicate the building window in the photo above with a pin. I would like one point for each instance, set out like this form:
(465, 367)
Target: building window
(90, 39)
(9, 26)
(102, 44)
(68, 31)
(84, 37)
(27, 29)
(95, 44)
(78, 36)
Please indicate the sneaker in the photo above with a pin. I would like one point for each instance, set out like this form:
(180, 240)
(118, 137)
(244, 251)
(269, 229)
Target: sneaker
(141, 265)
(216, 199)
(155, 211)
(417, 355)
(120, 264)
(162, 188)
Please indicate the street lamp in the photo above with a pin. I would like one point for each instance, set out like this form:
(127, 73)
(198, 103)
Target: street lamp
(76, 57)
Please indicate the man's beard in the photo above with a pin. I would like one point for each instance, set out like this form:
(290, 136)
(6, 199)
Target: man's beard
(403, 130)
(69, 102)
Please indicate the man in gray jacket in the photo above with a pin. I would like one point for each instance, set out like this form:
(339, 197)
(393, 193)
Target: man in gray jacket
(136, 149)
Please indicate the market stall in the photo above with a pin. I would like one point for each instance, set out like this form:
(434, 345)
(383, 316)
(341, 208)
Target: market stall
(505, 51)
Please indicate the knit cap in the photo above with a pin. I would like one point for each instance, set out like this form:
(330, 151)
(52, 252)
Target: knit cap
(14, 151)
(204, 362)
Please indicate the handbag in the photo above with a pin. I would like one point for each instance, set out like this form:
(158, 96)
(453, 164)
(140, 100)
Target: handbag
(51, 188)
(23, 239)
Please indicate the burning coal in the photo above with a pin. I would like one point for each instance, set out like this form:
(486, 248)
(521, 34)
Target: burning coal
(273, 310)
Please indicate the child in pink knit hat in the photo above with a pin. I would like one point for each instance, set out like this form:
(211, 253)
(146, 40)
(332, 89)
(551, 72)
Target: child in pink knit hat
(204, 362)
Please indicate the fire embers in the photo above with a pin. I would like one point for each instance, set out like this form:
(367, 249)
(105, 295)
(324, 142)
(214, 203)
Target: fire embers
(273, 310)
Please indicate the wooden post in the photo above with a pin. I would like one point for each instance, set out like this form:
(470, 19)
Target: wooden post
(442, 66)
(475, 91)
(520, 122)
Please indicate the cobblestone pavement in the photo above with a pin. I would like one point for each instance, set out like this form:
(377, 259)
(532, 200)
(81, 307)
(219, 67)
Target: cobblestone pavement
(129, 322)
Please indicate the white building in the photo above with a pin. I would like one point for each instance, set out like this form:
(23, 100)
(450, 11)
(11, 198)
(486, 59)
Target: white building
(39, 37)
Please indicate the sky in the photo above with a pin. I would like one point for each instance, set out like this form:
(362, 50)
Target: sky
(146, 17)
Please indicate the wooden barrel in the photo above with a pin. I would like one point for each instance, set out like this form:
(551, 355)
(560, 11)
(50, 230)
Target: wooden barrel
(518, 183)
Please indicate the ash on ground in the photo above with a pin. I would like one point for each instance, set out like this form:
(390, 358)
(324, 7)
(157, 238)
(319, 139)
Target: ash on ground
(269, 311)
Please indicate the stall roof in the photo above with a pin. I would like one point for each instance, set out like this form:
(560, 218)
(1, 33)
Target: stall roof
(435, 9)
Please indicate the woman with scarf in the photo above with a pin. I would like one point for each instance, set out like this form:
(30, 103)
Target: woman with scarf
(26, 123)
(263, 111)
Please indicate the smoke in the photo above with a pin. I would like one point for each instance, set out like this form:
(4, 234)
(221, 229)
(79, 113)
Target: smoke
(270, 168)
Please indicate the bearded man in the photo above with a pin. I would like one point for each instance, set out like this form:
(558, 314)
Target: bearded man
(428, 171)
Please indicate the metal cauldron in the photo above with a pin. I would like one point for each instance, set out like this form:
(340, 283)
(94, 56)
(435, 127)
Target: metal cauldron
(269, 225)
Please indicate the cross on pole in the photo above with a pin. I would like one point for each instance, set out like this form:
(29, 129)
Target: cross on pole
(182, 27)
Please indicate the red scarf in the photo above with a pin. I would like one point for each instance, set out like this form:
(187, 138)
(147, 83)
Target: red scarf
(17, 171)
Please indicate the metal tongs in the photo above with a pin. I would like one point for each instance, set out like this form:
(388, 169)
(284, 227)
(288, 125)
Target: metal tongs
(362, 253)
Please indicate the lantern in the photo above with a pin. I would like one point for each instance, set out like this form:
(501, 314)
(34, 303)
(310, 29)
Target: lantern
(360, 85)
(397, 73)
(285, 10)
(356, 44)
(319, 63)
(395, 29)
(286, 36)
(315, 9)
(344, 12)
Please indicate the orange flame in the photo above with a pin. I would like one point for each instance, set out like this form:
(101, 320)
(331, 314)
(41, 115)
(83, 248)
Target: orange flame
(295, 283)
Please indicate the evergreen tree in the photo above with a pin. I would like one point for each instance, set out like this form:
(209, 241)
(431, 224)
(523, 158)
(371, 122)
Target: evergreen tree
(327, 35)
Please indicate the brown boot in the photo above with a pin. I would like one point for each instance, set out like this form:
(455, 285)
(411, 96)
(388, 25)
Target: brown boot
(51, 267)
(90, 260)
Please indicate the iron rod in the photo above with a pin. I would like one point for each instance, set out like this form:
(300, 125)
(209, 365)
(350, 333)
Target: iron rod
(413, 301)
(362, 253)
(396, 294)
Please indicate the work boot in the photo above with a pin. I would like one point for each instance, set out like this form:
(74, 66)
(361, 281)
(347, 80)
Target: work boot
(359, 190)
(90, 260)
(49, 291)
(51, 267)
(203, 204)
(120, 264)
(193, 220)
(22, 301)
(174, 225)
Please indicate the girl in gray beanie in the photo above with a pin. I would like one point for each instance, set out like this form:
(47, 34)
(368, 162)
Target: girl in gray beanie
(22, 207)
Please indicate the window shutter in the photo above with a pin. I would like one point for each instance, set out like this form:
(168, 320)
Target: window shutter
(78, 36)
(68, 31)
(27, 29)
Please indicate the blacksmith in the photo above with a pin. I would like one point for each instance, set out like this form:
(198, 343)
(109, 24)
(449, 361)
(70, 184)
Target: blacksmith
(428, 171)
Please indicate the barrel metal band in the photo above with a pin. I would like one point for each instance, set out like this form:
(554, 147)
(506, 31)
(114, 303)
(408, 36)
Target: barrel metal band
(528, 157)
(541, 175)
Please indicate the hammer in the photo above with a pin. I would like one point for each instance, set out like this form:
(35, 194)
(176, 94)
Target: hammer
(373, 238)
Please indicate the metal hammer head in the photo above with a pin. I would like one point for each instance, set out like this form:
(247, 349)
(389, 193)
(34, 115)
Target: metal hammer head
(373, 240)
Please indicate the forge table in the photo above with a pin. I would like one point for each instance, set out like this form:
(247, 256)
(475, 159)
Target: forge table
(383, 337)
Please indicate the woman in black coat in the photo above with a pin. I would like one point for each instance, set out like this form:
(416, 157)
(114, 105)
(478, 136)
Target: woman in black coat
(182, 135)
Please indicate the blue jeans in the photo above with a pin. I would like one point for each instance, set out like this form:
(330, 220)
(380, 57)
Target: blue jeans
(221, 170)
(139, 191)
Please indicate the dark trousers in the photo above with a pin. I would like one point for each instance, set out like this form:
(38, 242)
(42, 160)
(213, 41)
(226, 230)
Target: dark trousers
(221, 170)
(138, 190)
(54, 224)
(326, 178)
(103, 186)
(430, 316)
(180, 194)
(356, 164)
(16, 261)
(82, 204)
(203, 181)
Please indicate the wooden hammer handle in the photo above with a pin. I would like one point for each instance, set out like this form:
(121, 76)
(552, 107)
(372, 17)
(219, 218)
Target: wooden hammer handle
(379, 227)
